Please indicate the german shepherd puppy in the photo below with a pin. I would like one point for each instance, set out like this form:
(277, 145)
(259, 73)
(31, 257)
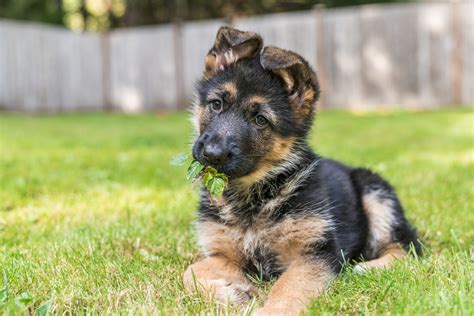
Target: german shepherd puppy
(287, 213)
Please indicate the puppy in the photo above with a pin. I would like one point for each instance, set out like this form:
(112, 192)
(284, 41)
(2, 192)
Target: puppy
(287, 213)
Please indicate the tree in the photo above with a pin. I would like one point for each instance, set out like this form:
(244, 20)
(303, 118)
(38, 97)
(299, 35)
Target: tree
(100, 15)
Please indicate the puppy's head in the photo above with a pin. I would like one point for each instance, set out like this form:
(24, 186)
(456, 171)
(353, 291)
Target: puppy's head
(253, 105)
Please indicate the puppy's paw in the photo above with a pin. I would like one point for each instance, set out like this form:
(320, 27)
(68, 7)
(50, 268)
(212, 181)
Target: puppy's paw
(227, 292)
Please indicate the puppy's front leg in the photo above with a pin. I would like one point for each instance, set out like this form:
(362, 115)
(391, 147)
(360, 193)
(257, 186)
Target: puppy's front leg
(304, 279)
(218, 279)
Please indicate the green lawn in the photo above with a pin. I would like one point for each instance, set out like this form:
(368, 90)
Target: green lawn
(94, 219)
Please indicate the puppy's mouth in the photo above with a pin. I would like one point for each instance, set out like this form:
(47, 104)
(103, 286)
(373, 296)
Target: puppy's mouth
(232, 169)
(227, 168)
(219, 167)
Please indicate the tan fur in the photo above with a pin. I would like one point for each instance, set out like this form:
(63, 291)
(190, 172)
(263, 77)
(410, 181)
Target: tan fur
(257, 100)
(302, 281)
(309, 96)
(304, 104)
(218, 279)
(280, 149)
(296, 235)
(209, 66)
(231, 88)
(285, 75)
(288, 239)
(255, 176)
(388, 257)
(217, 239)
(380, 215)
(214, 61)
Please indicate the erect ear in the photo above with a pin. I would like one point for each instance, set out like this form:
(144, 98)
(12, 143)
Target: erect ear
(299, 79)
(230, 46)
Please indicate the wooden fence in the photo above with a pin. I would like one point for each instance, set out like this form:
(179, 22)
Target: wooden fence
(400, 55)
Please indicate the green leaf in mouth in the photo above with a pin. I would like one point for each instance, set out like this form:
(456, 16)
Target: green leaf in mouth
(214, 181)
(216, 185)
(194, 170)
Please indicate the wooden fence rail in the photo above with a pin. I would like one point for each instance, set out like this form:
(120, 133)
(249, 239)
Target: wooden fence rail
(401, 55)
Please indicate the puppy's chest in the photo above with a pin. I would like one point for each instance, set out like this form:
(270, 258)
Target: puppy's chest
(255, 248)
(266, 247)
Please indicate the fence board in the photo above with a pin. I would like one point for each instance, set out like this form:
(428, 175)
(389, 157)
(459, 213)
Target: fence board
(435, 57)
(389, 74)
(142, 75)
(467, 51)
(46, 68)
(343, 70)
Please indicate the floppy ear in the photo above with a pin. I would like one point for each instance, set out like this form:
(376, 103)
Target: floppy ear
(299, 79)
(230, 46)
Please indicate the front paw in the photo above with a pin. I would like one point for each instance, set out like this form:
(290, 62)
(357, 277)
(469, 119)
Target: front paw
(227, 292)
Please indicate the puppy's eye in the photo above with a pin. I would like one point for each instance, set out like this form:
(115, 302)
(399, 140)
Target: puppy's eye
(261, 121)
(216, 105)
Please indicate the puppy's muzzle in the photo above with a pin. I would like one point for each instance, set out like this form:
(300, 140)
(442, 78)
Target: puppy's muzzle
(215, 154)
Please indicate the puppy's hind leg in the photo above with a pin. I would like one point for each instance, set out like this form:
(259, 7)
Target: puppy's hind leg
(390, 235)
(391, 253)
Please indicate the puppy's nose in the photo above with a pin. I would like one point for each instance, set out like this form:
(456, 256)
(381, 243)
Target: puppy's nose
(215, 154)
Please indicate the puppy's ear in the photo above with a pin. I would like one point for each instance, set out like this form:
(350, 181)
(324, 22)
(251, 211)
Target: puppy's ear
(299, 79)
(230, 46)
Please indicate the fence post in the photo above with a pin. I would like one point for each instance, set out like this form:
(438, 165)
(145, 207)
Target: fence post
(456, 60)
(320, 58)
(178, 65)
(105, 58)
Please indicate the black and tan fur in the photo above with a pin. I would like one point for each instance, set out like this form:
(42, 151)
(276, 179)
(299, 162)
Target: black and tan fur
(287, 213)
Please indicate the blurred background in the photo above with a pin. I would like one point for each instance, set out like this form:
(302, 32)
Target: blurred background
(145, 55)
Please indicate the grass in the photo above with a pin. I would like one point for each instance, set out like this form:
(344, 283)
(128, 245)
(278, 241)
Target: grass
(93, 219)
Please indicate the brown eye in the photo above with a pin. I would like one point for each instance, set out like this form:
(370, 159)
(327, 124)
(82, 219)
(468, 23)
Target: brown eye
(216, 105)
(261, 121)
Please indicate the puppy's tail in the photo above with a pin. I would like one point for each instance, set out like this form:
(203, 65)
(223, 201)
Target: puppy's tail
(385, 214)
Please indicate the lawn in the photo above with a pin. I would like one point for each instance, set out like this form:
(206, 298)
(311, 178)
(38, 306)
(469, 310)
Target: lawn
(93, 219)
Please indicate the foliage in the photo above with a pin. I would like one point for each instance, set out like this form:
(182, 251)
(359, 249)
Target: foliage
(48, 11)
(93, 220)
(100, 15)
(214, 181)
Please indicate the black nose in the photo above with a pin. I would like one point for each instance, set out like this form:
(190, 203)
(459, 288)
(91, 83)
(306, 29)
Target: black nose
(215, 154)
